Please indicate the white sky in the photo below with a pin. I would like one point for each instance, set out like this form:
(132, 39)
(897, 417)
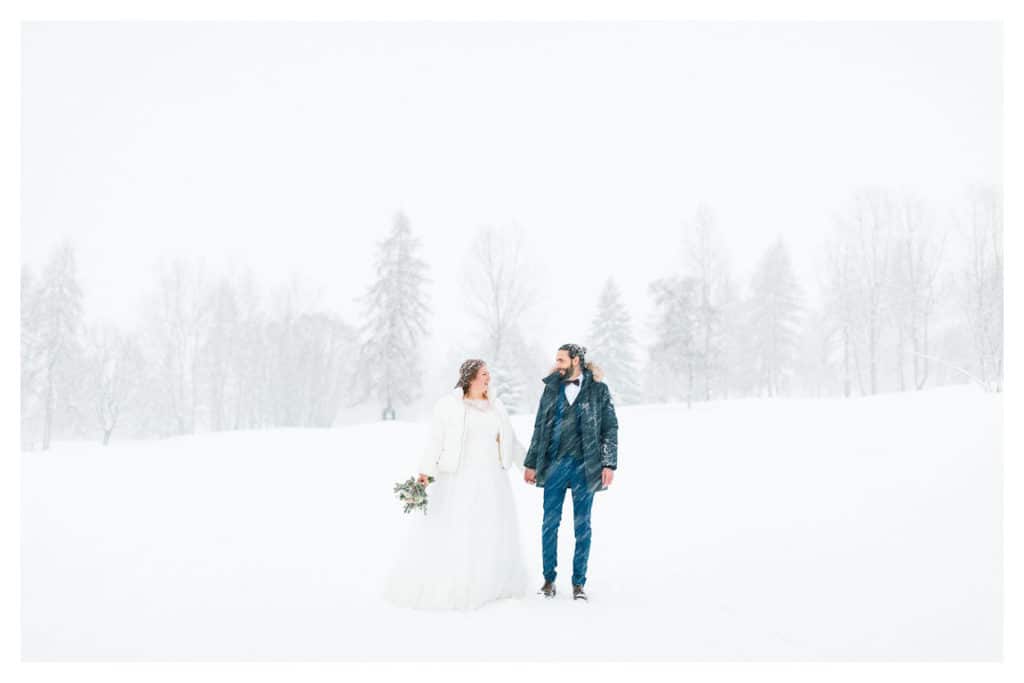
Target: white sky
(289, 147)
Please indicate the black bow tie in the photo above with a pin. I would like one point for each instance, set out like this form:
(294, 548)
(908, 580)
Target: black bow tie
(573, 381)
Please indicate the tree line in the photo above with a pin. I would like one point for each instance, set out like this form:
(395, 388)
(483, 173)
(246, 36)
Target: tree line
(907, 298)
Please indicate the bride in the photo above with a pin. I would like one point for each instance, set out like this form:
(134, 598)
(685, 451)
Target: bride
(466, 550)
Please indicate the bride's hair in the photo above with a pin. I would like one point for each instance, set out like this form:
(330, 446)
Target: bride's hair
(467, 373)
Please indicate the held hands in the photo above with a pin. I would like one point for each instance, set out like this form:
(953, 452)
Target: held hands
(607, 474)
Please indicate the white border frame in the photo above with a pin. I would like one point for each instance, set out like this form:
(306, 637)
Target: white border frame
(13, 13)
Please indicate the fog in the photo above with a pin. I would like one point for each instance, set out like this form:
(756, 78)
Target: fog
(290, 148)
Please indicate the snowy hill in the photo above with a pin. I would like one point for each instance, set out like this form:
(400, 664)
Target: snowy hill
(748, 529)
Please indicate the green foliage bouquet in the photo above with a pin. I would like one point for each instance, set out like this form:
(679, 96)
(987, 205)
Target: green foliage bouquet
(413, 494)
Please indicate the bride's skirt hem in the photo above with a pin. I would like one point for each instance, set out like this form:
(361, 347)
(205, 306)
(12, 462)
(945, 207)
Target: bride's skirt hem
(446, 606)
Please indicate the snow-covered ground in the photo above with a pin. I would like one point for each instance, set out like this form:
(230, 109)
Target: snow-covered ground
(752, 529)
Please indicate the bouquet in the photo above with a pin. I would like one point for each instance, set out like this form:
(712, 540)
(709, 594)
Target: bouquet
(413, 494)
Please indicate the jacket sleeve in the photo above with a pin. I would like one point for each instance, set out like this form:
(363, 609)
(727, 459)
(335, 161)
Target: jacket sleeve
(530, 461)
(435, 442)
(609, 432)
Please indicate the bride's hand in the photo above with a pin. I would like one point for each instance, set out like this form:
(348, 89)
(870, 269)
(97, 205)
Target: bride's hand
(422, 479)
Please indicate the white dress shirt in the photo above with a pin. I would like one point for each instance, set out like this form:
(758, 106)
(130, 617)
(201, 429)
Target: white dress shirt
(572, 391)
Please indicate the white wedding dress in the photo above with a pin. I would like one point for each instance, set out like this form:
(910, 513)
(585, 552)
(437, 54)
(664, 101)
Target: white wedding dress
(466, 551)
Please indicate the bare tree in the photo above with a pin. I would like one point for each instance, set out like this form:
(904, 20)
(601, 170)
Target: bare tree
(496, 283)
(176, 319)
(294, 305)
(867, 232)
(335, 349)
(917, 260)
(250, 364)
(707, 264)
(816, 357)
(313, 360)
(220, 345)
(840, 313)
(115, 364)
(982, 281)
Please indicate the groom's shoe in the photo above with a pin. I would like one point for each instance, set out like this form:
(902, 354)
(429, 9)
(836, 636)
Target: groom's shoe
(577, 593)
(548, 589)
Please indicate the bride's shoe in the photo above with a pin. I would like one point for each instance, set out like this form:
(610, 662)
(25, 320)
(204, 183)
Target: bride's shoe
(548, 589)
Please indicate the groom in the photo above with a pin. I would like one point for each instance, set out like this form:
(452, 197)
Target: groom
(574, 446)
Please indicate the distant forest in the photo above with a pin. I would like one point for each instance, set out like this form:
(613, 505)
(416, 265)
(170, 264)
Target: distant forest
(911, 299)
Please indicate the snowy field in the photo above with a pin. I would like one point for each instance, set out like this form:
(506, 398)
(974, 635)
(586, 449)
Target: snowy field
(752, 529)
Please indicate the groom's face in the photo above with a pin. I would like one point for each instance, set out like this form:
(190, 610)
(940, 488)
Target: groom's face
(566, 366)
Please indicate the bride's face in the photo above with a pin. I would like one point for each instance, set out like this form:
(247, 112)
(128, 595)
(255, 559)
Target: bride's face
(481, 381)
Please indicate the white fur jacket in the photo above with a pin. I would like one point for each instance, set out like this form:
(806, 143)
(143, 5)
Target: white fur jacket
(443, 451)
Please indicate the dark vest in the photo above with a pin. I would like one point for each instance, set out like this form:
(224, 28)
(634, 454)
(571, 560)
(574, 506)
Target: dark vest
(565, 433)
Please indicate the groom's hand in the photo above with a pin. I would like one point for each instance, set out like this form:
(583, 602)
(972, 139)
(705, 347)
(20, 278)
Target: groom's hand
(530, 475)
(606, 476)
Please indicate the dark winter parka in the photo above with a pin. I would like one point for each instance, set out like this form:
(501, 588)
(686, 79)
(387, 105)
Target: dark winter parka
(599, 428)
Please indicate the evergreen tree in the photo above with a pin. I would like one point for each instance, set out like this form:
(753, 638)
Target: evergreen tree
(774, 318)
(674, 354)
(612, 343)
(59, 328)
(396, 319)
